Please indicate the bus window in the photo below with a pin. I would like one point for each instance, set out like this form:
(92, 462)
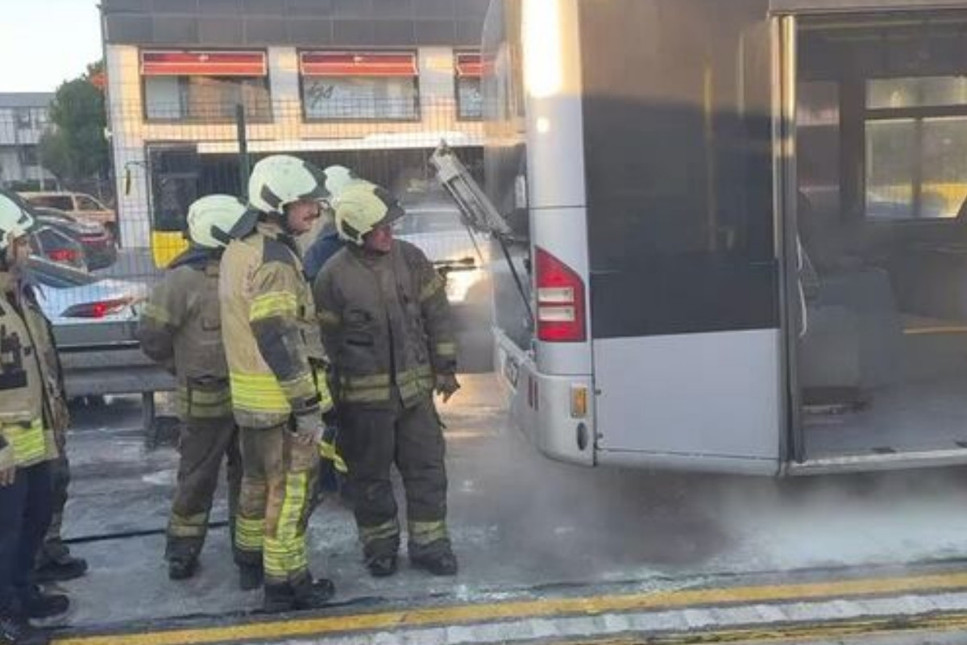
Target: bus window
(505, 167)
(915, 143)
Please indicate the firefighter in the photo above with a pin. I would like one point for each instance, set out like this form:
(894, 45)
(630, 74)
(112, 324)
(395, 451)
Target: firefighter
(32, 408)
(386, 327)
(180, 328)
(327, 241)
(278, 381)
(325, 244)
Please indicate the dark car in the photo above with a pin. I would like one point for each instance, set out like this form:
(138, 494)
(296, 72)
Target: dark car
(50, 243)
(100, 250)
(57, 246)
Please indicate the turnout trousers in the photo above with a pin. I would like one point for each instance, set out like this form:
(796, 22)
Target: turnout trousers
(372, 440)
(25, 510)
(279, 477)
(204, 444)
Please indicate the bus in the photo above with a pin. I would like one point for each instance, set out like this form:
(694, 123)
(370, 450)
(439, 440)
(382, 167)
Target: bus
(734, 233)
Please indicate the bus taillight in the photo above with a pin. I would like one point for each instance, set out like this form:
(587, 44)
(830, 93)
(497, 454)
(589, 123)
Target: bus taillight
(560, 301)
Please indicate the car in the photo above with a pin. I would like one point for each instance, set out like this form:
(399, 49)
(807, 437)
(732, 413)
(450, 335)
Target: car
(100, 249)
(68, 295)
(434, 224)
(94, 320)
(78, 204)
(57, 247)
(48, 242)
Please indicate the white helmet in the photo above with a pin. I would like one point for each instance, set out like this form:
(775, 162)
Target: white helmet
(337, 178)
(15, 221)
(363, 206)
(280, 180)
(212, 218)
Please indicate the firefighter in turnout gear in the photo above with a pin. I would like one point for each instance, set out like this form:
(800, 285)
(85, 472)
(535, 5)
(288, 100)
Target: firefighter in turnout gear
(32, 410)
(278, 380)
(181, 329)
(386, 326)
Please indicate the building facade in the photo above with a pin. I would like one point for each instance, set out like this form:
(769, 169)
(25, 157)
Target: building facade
(194, 84)
(23, 119)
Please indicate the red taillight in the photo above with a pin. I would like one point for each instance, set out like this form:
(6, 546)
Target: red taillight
(97, 309)
(63, 255)
(560, 301)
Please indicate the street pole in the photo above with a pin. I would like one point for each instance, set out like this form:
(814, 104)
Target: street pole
(243, 161)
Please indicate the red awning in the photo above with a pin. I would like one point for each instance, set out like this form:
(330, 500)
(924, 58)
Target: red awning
(358, 64)
(202, 63)
(469, 65)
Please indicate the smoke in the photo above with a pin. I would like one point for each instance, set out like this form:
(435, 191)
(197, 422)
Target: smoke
(526, 521)
(848, 520)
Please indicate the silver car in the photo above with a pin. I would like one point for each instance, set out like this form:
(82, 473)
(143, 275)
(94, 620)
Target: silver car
(94, 321)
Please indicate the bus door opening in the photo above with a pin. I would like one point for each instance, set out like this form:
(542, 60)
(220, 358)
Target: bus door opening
(881, 144)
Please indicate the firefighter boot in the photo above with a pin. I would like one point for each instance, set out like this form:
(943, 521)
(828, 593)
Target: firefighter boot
(382, 566)
(440, 562)
(307, 594)
(278, 598)
(313, 594)
(182, 568)
(37, 604)
(64, 568)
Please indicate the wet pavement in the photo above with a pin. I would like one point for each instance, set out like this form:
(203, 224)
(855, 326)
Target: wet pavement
(523, 527)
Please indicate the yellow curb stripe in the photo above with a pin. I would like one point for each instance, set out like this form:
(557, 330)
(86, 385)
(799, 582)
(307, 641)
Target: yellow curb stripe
(550, 607)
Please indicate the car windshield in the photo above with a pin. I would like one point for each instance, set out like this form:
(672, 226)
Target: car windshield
(58, 276)
(431, 219)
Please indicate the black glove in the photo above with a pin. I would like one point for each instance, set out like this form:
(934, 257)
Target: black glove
(446, 385)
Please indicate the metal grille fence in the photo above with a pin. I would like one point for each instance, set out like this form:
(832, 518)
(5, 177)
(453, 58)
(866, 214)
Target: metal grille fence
(102, 242)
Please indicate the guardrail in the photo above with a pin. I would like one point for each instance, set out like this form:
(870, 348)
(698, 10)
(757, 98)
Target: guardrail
(106, 358)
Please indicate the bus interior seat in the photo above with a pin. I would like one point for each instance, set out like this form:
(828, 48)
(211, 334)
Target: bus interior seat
(853, 333)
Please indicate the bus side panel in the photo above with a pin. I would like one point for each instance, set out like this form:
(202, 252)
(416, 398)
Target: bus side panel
(692, 395)
(684, 280)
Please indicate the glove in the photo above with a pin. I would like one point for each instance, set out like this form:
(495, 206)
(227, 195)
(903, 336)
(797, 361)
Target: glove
(446, 385)
(309, 428)
(327, 449)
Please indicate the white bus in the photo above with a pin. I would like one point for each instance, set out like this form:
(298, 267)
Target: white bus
(737, 230)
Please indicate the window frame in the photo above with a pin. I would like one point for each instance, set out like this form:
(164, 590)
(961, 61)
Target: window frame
(415, 80)
(457, 77)
(251, 117)
(919, 115)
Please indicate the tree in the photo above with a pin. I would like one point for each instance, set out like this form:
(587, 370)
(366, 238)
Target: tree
(55, 154)
(75, 147)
